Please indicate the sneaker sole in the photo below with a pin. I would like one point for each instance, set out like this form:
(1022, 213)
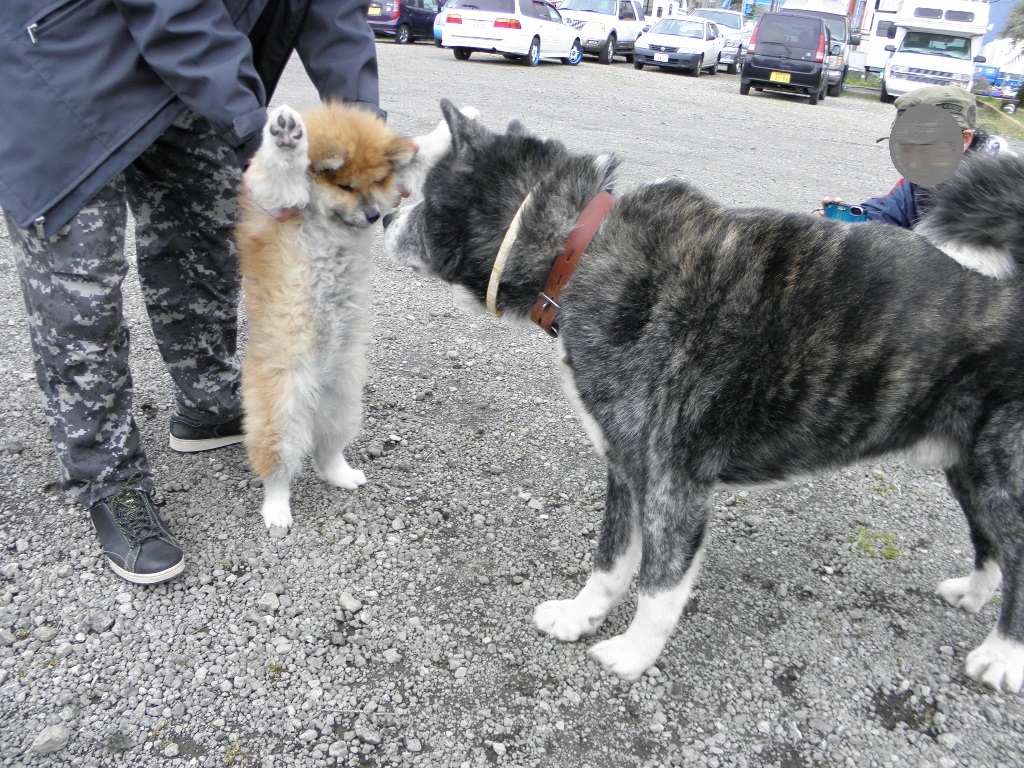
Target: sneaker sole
(195, 446)
(148, 578)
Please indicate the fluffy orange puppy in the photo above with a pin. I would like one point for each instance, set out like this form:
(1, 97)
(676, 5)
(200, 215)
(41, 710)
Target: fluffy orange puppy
(313, 192)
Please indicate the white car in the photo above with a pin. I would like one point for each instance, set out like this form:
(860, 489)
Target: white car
(606, 27)
(737, 33)
(529, 30)
(680, 42)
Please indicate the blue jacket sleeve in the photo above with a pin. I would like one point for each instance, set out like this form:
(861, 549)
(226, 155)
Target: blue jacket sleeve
(898, 208)
(337, 48)
(195, 49)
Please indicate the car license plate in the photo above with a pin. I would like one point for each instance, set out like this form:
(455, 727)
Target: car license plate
(661, 57)
(779, 77)
(373, 11)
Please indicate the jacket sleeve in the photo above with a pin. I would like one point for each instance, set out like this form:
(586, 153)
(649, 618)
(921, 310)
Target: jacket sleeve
(195, 49)
(337, 48)
(896, 208)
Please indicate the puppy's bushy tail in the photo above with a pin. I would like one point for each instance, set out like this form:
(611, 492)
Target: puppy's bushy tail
(980, 211)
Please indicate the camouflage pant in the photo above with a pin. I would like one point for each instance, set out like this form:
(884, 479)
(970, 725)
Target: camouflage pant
(182, 192)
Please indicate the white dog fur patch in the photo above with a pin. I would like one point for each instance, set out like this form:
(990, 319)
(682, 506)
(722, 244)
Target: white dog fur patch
(998, 663)
(972, 593)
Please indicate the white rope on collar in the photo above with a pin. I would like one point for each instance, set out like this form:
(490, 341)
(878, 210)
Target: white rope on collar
(499, 261)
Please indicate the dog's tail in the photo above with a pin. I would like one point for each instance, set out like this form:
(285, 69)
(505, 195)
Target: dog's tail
(977, 217)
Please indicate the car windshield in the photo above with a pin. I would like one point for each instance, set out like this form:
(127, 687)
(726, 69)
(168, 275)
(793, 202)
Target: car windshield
(721, 18)
(836, 26)
(937, 45)
(694, 29)
(494, 6)
(594, 6)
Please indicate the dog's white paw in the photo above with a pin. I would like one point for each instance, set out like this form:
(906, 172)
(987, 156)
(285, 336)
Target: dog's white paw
(624, 657)
(277, 512)
(339, 473)
(998, 663)
(567, 620)
(285, 131)
(971, 593)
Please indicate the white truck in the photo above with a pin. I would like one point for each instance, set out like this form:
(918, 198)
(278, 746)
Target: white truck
(606, 27)
(935, 42)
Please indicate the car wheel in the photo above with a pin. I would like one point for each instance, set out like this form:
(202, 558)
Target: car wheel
(884, 96)
(714, 70)
(813, 97)
(731, 69)
(837, 90)
(630, 58)
(437, 42)
(462, 54)
(403, 35)
(608, 52)
(638, 64)
(697, 67)
(532, 57)
(744, 88)
(575, 54)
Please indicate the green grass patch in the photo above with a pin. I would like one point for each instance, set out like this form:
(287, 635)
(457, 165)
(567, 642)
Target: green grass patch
(876, 543)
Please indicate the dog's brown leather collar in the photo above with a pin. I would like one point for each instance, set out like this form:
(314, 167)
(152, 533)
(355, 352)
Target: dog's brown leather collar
(281, 214)
(545, 310)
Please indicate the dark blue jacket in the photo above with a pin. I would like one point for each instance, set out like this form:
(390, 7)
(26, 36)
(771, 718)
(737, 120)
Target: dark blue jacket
(87, 85)
(902, 207)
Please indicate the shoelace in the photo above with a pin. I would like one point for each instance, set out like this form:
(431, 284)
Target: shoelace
(131, 509)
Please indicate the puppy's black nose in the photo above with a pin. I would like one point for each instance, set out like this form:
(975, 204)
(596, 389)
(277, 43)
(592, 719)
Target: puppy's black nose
(372, 216)
(388, 219)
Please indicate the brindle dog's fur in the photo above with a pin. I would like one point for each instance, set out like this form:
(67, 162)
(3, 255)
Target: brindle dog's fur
(704, 346)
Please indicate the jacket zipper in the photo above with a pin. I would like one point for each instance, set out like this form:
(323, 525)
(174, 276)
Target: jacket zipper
(40, 225)
(49, 16)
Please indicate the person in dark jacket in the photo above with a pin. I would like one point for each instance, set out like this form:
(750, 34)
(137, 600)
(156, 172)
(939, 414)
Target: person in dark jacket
(905, 202)
(147, 105)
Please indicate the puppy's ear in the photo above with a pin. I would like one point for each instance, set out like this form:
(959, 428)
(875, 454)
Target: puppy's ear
(330, 163)
(462, 125)
(400, 151)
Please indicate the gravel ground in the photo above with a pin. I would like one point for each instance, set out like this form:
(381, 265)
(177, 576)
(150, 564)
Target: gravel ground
(392, 627)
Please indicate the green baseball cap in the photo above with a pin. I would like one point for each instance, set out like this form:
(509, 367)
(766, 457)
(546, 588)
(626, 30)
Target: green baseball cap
(958, 102)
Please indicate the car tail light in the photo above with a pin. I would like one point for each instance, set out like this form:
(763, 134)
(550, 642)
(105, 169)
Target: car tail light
(819, 55)
(396, 9)
(750, 43)
(453, 18)
(507, 24)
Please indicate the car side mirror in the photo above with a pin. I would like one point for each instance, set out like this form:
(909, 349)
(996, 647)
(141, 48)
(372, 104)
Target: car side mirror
(836, 50)
(980, 59)
(891, 32)
(891, 48)
(855, 38)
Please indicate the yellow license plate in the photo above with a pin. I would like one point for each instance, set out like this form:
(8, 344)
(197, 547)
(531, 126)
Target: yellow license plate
(374, 11)
(779, 77)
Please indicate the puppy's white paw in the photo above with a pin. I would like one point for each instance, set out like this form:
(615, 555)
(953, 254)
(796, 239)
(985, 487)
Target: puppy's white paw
(285, 131)
(277, 512)
(624, 657)
(338, 472)
(971, 593)
(998, 663)
(567, 620)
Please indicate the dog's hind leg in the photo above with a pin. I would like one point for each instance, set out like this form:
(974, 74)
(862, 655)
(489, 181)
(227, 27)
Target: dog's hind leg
(615, 562)
(972, 593)
(993, 477)
(673, 521)
(338, 424)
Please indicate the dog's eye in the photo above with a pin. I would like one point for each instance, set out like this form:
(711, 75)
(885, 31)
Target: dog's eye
(345, 187)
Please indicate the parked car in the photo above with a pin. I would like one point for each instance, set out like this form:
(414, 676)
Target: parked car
(606, 27)
(736, 31)
(529, 30)
(438, 23)
(787, 52)
(680, 42)
(404, 20)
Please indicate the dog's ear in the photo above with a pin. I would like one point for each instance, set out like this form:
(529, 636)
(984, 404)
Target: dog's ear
(331, 163)
(516, 128)
(462, 125)
(400, 151)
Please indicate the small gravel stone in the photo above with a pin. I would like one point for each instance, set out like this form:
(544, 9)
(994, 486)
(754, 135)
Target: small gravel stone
(51, 739)
(349, 603)
(367, 734)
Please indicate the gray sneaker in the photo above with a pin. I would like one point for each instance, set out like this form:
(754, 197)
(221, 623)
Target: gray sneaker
(135, 540)
(188, 436)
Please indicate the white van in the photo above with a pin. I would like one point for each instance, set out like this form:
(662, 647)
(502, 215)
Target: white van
(935, 42)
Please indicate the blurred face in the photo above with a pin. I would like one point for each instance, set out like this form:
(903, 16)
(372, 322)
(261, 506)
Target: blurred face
(926, 144)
